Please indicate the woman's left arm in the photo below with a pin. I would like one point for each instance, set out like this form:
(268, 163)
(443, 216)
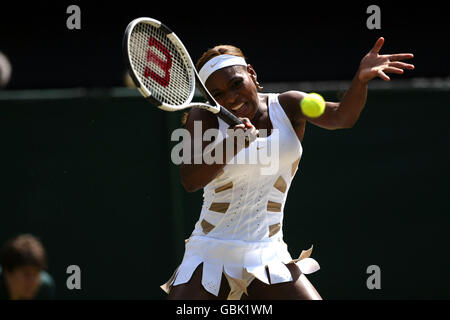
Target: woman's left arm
(345, 113)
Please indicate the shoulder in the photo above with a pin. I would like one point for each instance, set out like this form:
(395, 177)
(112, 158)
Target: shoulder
(291, 99)
(47, 279)
(47, 288)
(290, 102)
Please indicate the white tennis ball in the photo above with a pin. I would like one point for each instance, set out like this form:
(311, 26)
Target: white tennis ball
(313, 105)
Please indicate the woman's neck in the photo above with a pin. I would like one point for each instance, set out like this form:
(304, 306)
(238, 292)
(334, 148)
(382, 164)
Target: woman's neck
(261, 119)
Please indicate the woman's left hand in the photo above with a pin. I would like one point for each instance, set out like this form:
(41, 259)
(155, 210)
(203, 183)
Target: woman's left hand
(377, 65)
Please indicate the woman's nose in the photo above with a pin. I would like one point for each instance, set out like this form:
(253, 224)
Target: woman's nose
(230, 98)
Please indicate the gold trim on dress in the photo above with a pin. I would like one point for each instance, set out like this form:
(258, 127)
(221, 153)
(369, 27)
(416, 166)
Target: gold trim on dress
(280, 184)
(227, 186)
(295, 166)
(206, 226)
(273, 206)
(221, 207)
(274, 228)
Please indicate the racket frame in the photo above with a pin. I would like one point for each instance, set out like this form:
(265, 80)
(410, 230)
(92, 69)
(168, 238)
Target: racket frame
(213, 106)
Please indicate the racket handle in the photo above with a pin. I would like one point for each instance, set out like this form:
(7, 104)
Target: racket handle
(228, 117)
(231, 119)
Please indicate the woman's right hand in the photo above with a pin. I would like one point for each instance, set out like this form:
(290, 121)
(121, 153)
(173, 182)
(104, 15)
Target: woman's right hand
(195, 176)
(248, 130)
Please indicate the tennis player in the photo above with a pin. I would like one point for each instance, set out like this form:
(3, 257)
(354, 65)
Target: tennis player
(236, 250)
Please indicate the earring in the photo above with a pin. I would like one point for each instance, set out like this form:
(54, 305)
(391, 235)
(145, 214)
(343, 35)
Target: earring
(258, 86)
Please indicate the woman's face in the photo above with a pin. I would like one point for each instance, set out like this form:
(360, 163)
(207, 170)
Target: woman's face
(234, 89)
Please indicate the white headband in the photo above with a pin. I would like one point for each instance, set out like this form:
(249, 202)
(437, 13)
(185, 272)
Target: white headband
(219, 62)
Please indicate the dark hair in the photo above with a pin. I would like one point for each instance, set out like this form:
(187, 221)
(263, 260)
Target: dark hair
(208, 55)
(23, 250)
(217, 51)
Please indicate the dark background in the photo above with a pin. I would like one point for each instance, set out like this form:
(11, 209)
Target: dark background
(284, 40)
(91, 175)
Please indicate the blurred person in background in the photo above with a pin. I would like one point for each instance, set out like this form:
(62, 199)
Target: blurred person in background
(22, 273)
(5, 70)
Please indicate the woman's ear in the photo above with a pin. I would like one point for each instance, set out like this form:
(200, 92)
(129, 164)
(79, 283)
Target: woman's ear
(250, 70)
(254, 77)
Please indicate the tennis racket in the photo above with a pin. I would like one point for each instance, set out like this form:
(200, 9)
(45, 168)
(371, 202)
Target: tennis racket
(162, 69)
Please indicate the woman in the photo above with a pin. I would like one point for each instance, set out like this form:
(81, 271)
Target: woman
(236, 250)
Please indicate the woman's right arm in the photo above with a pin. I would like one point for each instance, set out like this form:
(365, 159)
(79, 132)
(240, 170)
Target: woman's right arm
(197, 176)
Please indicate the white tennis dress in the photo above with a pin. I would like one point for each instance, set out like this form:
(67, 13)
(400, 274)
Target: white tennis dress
(239, 232)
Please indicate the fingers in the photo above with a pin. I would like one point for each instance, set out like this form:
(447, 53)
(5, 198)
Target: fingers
(247, 122)
(249, 130)
(383, 75)
(392, 57)
(382, 72)
(388, 63)
(393, 67)
(239, 126)
(252, 134)
(378, 45)
(402, 65)
(400, 56)
(393, 70)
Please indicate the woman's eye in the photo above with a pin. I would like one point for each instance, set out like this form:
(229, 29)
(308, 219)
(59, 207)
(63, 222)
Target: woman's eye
(237, 83)
(217, 95)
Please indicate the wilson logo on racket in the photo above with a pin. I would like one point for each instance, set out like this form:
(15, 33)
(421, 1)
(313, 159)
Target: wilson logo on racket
(163, 71)
(164, 65)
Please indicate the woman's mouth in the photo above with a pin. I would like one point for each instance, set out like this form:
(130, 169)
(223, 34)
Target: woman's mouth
(237, 107)
(240, 109)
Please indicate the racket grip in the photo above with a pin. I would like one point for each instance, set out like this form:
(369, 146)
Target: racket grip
(231, 119)
(228, 117)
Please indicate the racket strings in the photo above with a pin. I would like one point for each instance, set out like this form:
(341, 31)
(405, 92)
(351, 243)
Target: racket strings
(159, 66)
